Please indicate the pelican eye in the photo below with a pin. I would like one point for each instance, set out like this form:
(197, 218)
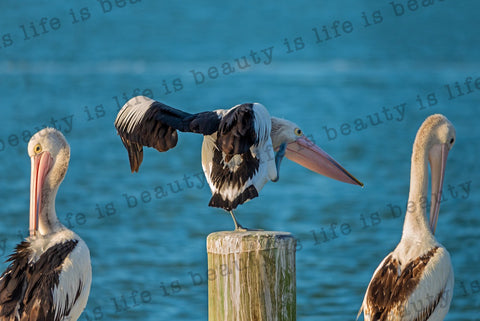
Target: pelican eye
(298, 132)
(452, 140)
(37, 149)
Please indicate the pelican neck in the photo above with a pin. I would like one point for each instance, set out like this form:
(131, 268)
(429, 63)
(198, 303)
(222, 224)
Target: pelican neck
(416, 225)
(48, 221)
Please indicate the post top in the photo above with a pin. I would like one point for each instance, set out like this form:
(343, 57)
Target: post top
(228, 242)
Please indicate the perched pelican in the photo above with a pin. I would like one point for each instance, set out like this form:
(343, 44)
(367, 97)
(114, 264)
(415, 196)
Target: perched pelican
(239, 145)
(50, 273)
(415, 281)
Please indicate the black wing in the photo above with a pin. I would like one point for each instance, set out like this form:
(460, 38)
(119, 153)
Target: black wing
(13, 282)
(26, 288)
(236, 133)
(231, 181)
(145, 122)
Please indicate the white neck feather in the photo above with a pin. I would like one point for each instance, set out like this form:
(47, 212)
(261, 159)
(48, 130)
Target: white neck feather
(47, 221)
(416, 225)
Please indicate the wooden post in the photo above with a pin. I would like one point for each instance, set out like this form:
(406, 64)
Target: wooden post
(251, 276)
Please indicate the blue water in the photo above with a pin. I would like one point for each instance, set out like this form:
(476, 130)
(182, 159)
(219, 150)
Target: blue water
(144, 256)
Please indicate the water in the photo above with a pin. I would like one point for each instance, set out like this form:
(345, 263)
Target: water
(145, 256)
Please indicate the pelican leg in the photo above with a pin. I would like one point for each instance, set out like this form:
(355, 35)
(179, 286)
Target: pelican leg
(278, 159)
(240, 228)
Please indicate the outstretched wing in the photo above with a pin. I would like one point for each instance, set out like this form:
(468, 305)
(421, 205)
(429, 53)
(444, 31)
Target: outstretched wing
(145, 122)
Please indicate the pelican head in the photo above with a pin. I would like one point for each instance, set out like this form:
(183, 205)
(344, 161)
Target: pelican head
(288, 137)
(49, 154)
(436, 136)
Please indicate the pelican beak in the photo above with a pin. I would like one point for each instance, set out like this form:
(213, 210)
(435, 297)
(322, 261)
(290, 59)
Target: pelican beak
(41, 165)
(438, 159)
(304, 152)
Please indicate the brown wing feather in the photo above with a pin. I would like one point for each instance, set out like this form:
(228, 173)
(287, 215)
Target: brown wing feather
(391, 285)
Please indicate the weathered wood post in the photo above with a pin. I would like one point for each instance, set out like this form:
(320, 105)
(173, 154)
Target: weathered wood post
(251, 276)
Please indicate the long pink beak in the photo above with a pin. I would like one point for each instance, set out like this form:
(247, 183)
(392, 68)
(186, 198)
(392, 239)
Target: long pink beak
(304, 152)
(438, 160)
(41, 165)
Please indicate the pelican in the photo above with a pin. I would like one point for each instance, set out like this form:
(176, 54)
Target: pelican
(242, 146)
(415, 281)
(50, 273)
